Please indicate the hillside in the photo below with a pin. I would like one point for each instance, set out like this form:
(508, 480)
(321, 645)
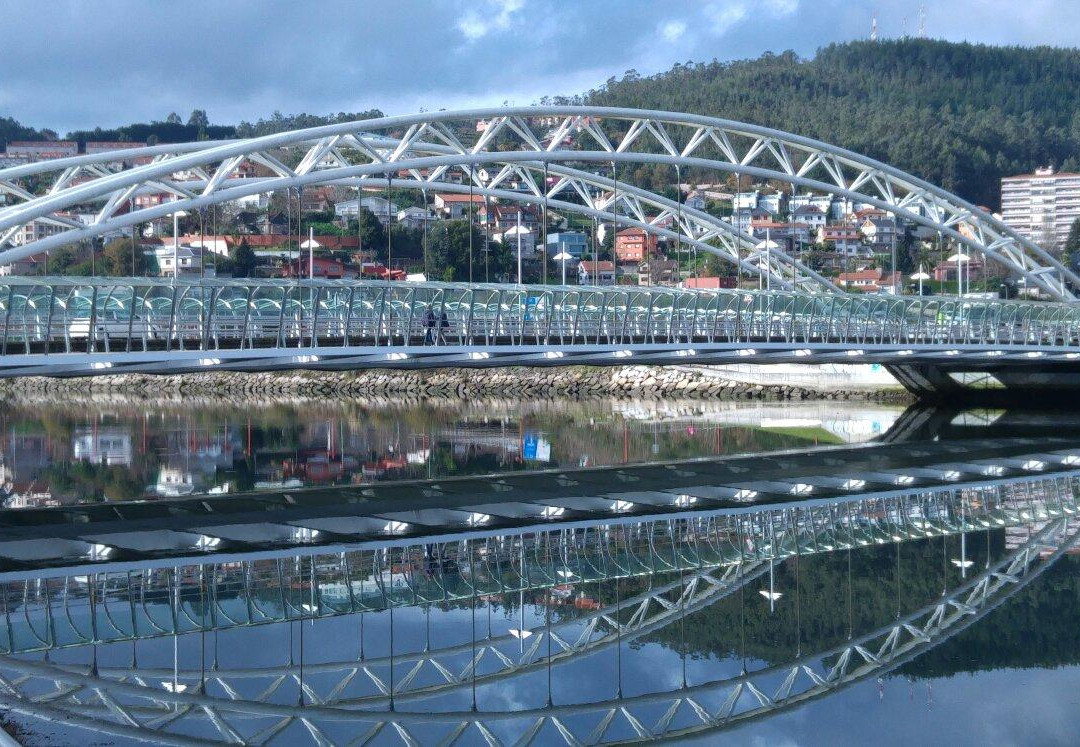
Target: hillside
(959, 115)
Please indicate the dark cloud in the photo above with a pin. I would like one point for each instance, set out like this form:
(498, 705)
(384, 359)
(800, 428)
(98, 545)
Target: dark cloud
(69, 63)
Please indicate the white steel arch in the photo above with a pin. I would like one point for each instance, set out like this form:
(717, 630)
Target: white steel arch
(511, 138)
(143, 709)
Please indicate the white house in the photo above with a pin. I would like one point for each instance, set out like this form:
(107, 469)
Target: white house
(879, 231)
(509, 239)
(189, 259)
(810, 215)
(415, 217)
(695, 200)
(774, 202)
(824, 203)
(745, 201)
(845, 240)
(596, 273)
(456, 206)
(384, 210)
(743, 220)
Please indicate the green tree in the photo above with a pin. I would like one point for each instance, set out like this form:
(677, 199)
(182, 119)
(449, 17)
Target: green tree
(959, 115)
(446, 252)
(198, 119)
(118, 260)
(372, 235)
(1072, 245)
(66, 260)
(173, 118)
(243, 260)
(715, 267)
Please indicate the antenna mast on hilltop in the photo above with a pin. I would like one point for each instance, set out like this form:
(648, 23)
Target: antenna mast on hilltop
(922, 21)
(873, 27)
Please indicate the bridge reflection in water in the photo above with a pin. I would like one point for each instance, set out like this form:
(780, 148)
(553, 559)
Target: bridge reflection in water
(565, 610)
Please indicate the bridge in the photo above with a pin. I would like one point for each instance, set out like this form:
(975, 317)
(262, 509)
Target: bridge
(77, 326)
(69, 575)
(644, 574)
(564, 159)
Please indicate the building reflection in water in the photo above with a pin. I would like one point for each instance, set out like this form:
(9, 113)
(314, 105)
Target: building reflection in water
(662, 606)
(116, 449)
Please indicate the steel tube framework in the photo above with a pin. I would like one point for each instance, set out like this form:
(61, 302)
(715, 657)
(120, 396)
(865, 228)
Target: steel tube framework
(215, 705)
(516, 143)
(52, 610)
(78, 326)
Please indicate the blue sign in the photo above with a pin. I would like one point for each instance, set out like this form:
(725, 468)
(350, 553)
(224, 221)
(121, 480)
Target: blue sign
(531, 440)
(536, 447)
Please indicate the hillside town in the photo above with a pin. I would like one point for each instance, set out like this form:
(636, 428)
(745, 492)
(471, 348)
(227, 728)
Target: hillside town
(336, 232)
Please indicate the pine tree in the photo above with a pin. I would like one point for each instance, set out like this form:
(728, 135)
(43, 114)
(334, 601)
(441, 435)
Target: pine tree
(1072, 245)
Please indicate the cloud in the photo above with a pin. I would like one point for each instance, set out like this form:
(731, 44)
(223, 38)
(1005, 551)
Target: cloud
(673, 30)
(781, 7)
(496, 16)
(722, 16)
(244, 59)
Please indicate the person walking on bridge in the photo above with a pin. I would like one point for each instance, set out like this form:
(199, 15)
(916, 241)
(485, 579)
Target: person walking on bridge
(429, 326)
(444, 324)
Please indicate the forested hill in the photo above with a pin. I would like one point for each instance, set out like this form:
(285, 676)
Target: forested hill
(960, 115)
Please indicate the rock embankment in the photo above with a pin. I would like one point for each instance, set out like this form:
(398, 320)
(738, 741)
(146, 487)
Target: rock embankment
(684, 382)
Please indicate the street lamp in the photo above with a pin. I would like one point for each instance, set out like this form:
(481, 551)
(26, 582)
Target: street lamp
(959, 258)
(771, 593)
(176, 241)
(920, 276)
(563, 258)
(311, 245)
(518, 246)
(766, 247)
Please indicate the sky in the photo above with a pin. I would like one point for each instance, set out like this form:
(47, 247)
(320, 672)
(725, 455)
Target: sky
(69, 64)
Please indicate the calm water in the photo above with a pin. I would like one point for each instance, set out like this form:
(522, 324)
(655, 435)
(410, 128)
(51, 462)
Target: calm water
(101, 450)
(872, 616)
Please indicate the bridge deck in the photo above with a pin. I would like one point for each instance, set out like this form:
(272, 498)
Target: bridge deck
(69, 326)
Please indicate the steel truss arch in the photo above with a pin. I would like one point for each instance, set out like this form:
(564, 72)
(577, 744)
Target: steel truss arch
(696, 227)
(618, 135)
(570, 639)
(142, 711)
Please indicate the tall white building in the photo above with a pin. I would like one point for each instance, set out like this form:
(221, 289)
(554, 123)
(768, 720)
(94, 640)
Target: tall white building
(1041, 206)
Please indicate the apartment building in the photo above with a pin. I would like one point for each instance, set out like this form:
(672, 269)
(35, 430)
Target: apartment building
(1041, 206)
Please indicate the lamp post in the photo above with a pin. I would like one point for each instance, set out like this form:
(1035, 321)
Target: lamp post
(176, 241)
(959, 258)
(519, 245)
(920, 276)
(563, 258)
(768, 262)
(765, 246)
(895, 291)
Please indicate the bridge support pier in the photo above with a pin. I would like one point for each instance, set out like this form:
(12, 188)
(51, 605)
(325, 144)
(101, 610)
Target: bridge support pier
(930, 381)
(925, 381)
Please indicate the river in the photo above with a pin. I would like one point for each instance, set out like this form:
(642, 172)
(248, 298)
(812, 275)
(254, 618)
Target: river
(717, 571)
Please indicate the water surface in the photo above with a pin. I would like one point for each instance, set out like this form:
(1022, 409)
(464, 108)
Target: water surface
(920, 585)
